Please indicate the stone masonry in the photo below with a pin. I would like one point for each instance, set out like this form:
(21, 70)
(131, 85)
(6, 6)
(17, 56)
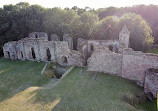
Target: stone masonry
(109, 56)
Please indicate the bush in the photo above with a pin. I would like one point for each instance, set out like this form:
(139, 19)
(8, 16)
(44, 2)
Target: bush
(49, 72)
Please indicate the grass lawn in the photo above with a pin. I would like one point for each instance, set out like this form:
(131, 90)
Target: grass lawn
(153, 50)
(23, 88)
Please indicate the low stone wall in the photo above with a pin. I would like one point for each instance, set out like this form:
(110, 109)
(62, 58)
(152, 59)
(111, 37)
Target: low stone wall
(64, 75)
(67, 72)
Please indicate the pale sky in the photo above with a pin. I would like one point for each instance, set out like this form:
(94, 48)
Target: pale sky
(81, 3)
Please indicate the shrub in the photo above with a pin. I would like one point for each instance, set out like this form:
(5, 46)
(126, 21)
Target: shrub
(49, 72)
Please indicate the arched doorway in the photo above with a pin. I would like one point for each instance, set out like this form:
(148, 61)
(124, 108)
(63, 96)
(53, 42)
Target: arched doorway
(92, 47)
(8, 54)
(33, 53)
(64, 60)
(36, 36)
(48, 54)
(111, 48)
(22, 55)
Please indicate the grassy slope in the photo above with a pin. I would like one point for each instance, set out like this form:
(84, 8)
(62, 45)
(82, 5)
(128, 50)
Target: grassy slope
(76, 92)
(16, 76)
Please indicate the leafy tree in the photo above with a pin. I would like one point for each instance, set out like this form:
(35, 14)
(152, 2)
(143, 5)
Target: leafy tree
(107, 29)
(88, 20)
(140, 32)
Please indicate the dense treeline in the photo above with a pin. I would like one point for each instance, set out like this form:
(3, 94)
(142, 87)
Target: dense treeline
(17, 21)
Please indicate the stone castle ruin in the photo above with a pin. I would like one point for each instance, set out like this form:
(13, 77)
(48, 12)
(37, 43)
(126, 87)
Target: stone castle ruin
(109, 56)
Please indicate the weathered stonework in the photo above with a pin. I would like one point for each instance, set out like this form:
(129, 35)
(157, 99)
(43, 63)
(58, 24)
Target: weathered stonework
(151, 82)
(109, 56)
(54, 37)
(124, 37)
(103, 60)
(39, 35)
(10, 50)
(69, 40)
(40, 49)
(131, 65)
(135, 63)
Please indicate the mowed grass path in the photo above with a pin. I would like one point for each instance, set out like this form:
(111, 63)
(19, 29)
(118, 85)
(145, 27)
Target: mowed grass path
(76, 92)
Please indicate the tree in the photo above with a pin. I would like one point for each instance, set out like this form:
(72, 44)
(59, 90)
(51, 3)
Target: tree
(88, 22)
(107, 29)
(140, 32)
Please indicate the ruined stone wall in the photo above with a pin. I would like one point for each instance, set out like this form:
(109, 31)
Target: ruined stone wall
(61, 49)
(39, 35)
(54, 37)
(80, 44)
(105, 61)
(69, 40)
(20, 51)
(46, 47)
(135, 64)
(9, 50)
(92, 44)
(30, 46)
(75, 58)
(151, 82)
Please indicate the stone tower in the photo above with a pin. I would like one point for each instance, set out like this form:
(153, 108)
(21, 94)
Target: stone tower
(124, 37)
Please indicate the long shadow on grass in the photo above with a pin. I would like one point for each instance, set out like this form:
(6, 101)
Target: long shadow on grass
(16, 76)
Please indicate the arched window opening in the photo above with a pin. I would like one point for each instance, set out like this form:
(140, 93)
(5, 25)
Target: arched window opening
(22, 55)
(116, 50)
(35, 35)
(48, 55)
(111, 48)
(92, 47)
(33, 53)
(8, 53)
(64, 60)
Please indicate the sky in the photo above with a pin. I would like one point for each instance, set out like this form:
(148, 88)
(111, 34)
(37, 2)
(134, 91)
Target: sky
(81, 3)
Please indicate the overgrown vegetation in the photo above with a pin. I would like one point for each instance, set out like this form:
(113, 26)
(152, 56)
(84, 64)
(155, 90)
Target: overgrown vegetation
(49, 72)
(77, 91)
(17, 21)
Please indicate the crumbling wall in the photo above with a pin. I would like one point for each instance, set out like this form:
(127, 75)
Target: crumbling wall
(9, 50)
(124, 37)
(61, 49)
(69, 40)
(54, 37)
(80, 44)
(75, 58)
(38, 35)
(151, 82)
(47, 50)
(20, 51)
(135, 64)
(106, 61)
(31, 47)
(92, 44)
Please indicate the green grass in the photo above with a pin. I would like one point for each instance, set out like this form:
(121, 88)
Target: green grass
(16, 76)
(76, 92)
(153, 50)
